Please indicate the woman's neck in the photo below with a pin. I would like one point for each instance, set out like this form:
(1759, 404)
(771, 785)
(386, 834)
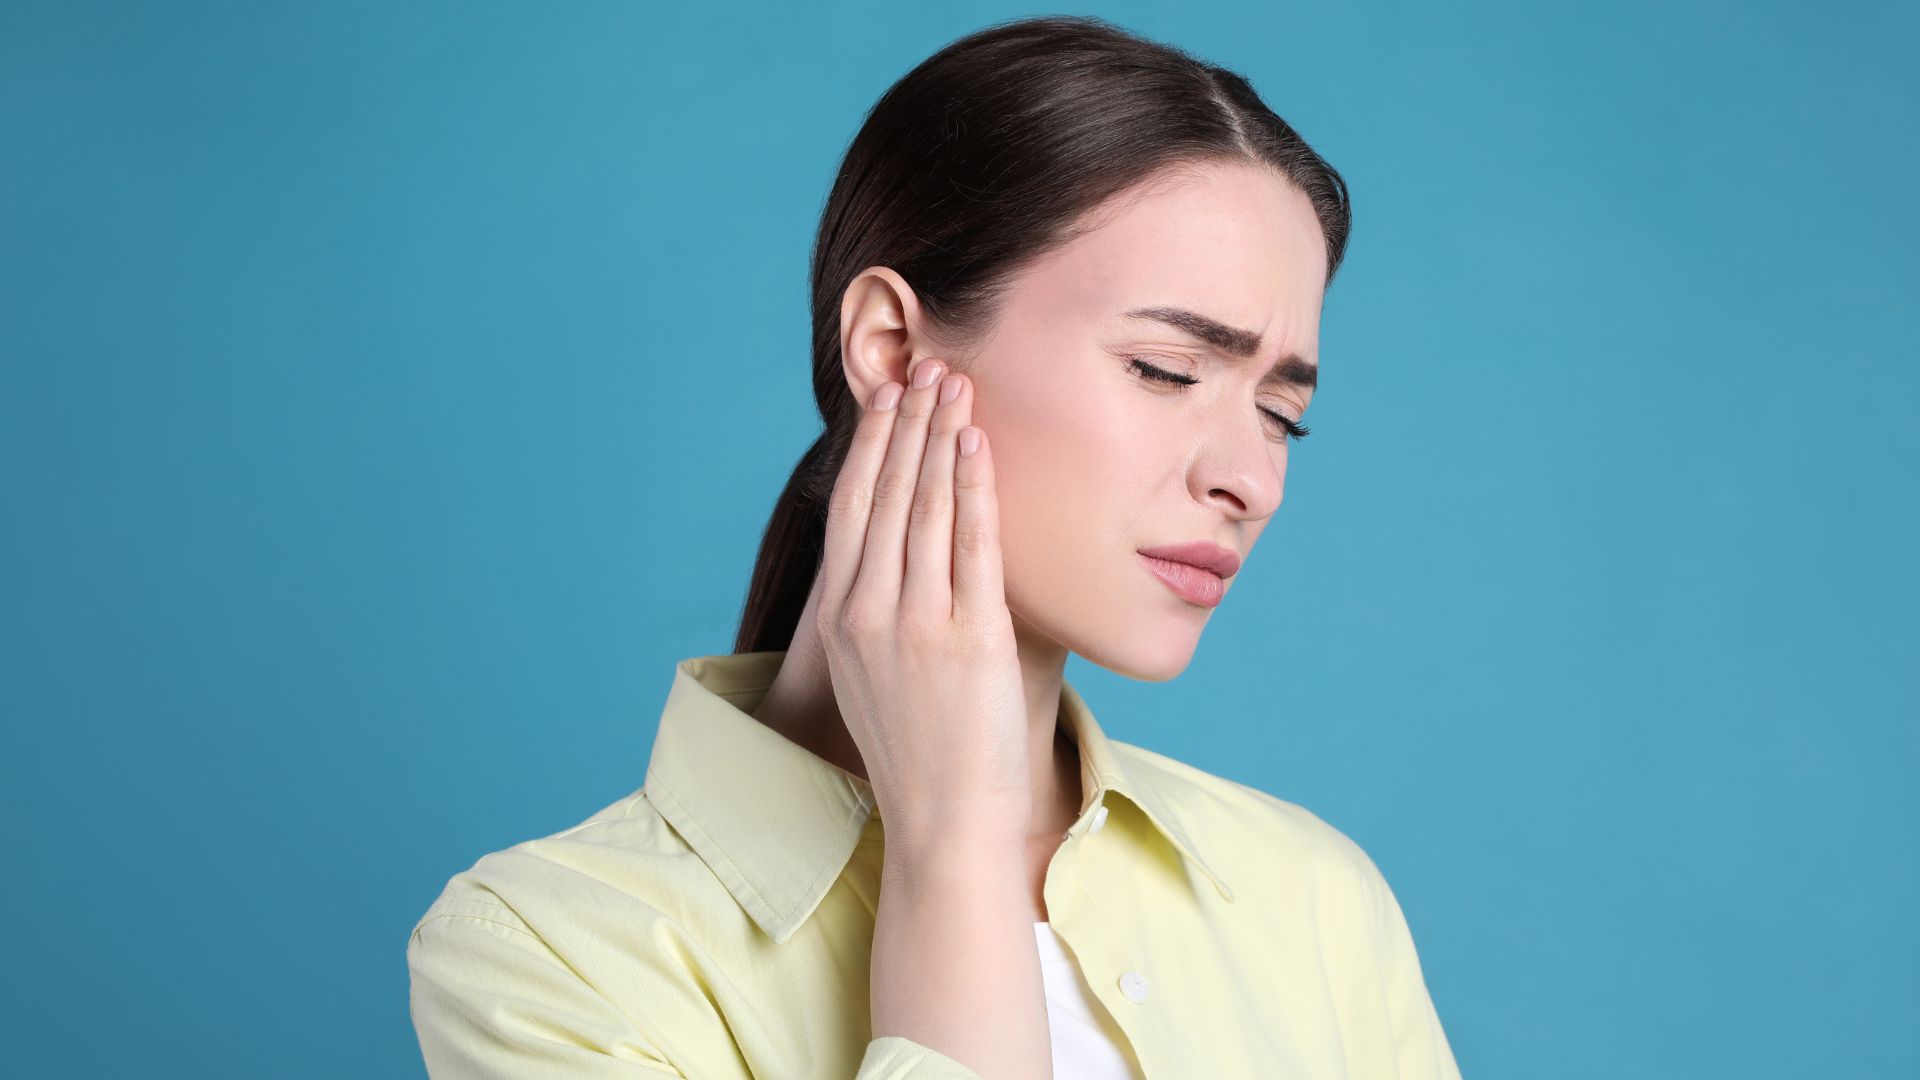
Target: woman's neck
(801, 707)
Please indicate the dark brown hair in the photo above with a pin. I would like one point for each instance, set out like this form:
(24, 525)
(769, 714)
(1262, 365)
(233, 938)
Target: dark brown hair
(982, 158)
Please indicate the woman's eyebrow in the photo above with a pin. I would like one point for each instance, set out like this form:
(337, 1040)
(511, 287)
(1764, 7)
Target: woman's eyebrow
(1230, 340)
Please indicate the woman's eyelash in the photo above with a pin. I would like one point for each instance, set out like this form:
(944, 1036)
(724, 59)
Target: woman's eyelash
(1146, 370)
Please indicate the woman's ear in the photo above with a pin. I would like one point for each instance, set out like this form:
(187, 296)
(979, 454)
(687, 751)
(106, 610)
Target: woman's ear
(880, 331)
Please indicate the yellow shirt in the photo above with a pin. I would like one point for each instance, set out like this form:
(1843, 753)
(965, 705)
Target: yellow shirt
(718, 923)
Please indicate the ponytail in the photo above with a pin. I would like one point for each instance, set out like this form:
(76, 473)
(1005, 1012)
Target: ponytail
(789, 558)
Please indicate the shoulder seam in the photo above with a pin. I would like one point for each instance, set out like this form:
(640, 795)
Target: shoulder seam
(521, 930)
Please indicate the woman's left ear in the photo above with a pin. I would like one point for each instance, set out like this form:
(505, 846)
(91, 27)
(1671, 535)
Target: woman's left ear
(879, 339)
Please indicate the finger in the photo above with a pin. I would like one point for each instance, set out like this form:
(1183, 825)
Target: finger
(928, 582)
(979, 587)
(882, 561)
(852, 501)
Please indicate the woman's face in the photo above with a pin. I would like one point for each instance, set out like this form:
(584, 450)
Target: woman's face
(1211, 275)
(1095, 461)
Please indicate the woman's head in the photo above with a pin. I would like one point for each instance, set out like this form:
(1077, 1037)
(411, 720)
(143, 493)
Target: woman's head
(1039, 204)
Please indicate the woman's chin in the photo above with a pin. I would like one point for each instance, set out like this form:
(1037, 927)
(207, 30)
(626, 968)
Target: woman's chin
(1149, 648)
(1149, 635)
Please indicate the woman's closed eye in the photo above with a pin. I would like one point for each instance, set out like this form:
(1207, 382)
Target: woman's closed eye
(1148, 371)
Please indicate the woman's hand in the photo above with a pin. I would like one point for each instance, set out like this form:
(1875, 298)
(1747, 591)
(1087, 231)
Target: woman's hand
(913, 618)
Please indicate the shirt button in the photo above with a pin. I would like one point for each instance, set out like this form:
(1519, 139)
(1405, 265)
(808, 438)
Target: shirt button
(1099, 818)
(1134, 985)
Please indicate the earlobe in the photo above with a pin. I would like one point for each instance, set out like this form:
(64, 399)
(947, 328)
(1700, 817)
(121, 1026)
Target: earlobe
(879, 314)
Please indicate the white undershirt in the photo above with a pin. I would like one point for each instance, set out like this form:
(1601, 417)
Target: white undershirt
(1087, 1044)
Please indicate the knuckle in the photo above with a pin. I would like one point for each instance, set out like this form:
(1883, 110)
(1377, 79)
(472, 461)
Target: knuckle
(860, 621)
(928, 502)
(973, 538)
(891, 487)
(846, 500)
(827, 624)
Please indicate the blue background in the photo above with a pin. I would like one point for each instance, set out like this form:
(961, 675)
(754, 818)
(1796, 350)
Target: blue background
(394, 392)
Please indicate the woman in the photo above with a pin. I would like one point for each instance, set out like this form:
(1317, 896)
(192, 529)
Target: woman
(1067, 293)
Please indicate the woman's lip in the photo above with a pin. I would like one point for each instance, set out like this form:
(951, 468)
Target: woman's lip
(1201, 553)
(1194, 585)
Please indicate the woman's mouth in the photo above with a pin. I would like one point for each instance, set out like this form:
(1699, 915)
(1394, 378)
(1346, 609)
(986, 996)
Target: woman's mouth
(1191, 583)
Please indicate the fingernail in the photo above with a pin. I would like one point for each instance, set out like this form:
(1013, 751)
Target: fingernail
(887, 396)
(949, 388)
(969, 441)
(924, 375)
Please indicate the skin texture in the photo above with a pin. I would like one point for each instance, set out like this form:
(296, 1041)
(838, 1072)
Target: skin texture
(1092, 461)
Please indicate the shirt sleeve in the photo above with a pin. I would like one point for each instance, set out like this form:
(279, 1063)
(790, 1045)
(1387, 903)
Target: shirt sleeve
(896, 1057)
(1421, 1050)
(490, 1000)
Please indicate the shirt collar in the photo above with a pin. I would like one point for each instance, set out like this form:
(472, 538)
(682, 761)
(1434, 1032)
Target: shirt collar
(777, 823)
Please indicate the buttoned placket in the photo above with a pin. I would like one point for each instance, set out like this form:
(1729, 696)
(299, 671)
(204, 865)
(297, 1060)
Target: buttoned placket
(1132, 983)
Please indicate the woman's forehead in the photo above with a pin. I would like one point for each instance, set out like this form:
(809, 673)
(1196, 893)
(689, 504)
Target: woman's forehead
(1239, 243)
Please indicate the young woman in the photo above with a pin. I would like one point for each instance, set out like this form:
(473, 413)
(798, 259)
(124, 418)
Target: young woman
(1067, 294)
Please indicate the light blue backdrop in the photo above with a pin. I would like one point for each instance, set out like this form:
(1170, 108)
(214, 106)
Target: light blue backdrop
(393, 392)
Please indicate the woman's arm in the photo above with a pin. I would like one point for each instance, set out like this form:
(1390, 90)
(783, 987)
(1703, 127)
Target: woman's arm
(910, 606)
(491, 1001)
(954, 964)
(1420, 1046)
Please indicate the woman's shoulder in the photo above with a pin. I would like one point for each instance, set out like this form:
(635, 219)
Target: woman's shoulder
(624, 861)
(1258, 833)
(565, 952)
